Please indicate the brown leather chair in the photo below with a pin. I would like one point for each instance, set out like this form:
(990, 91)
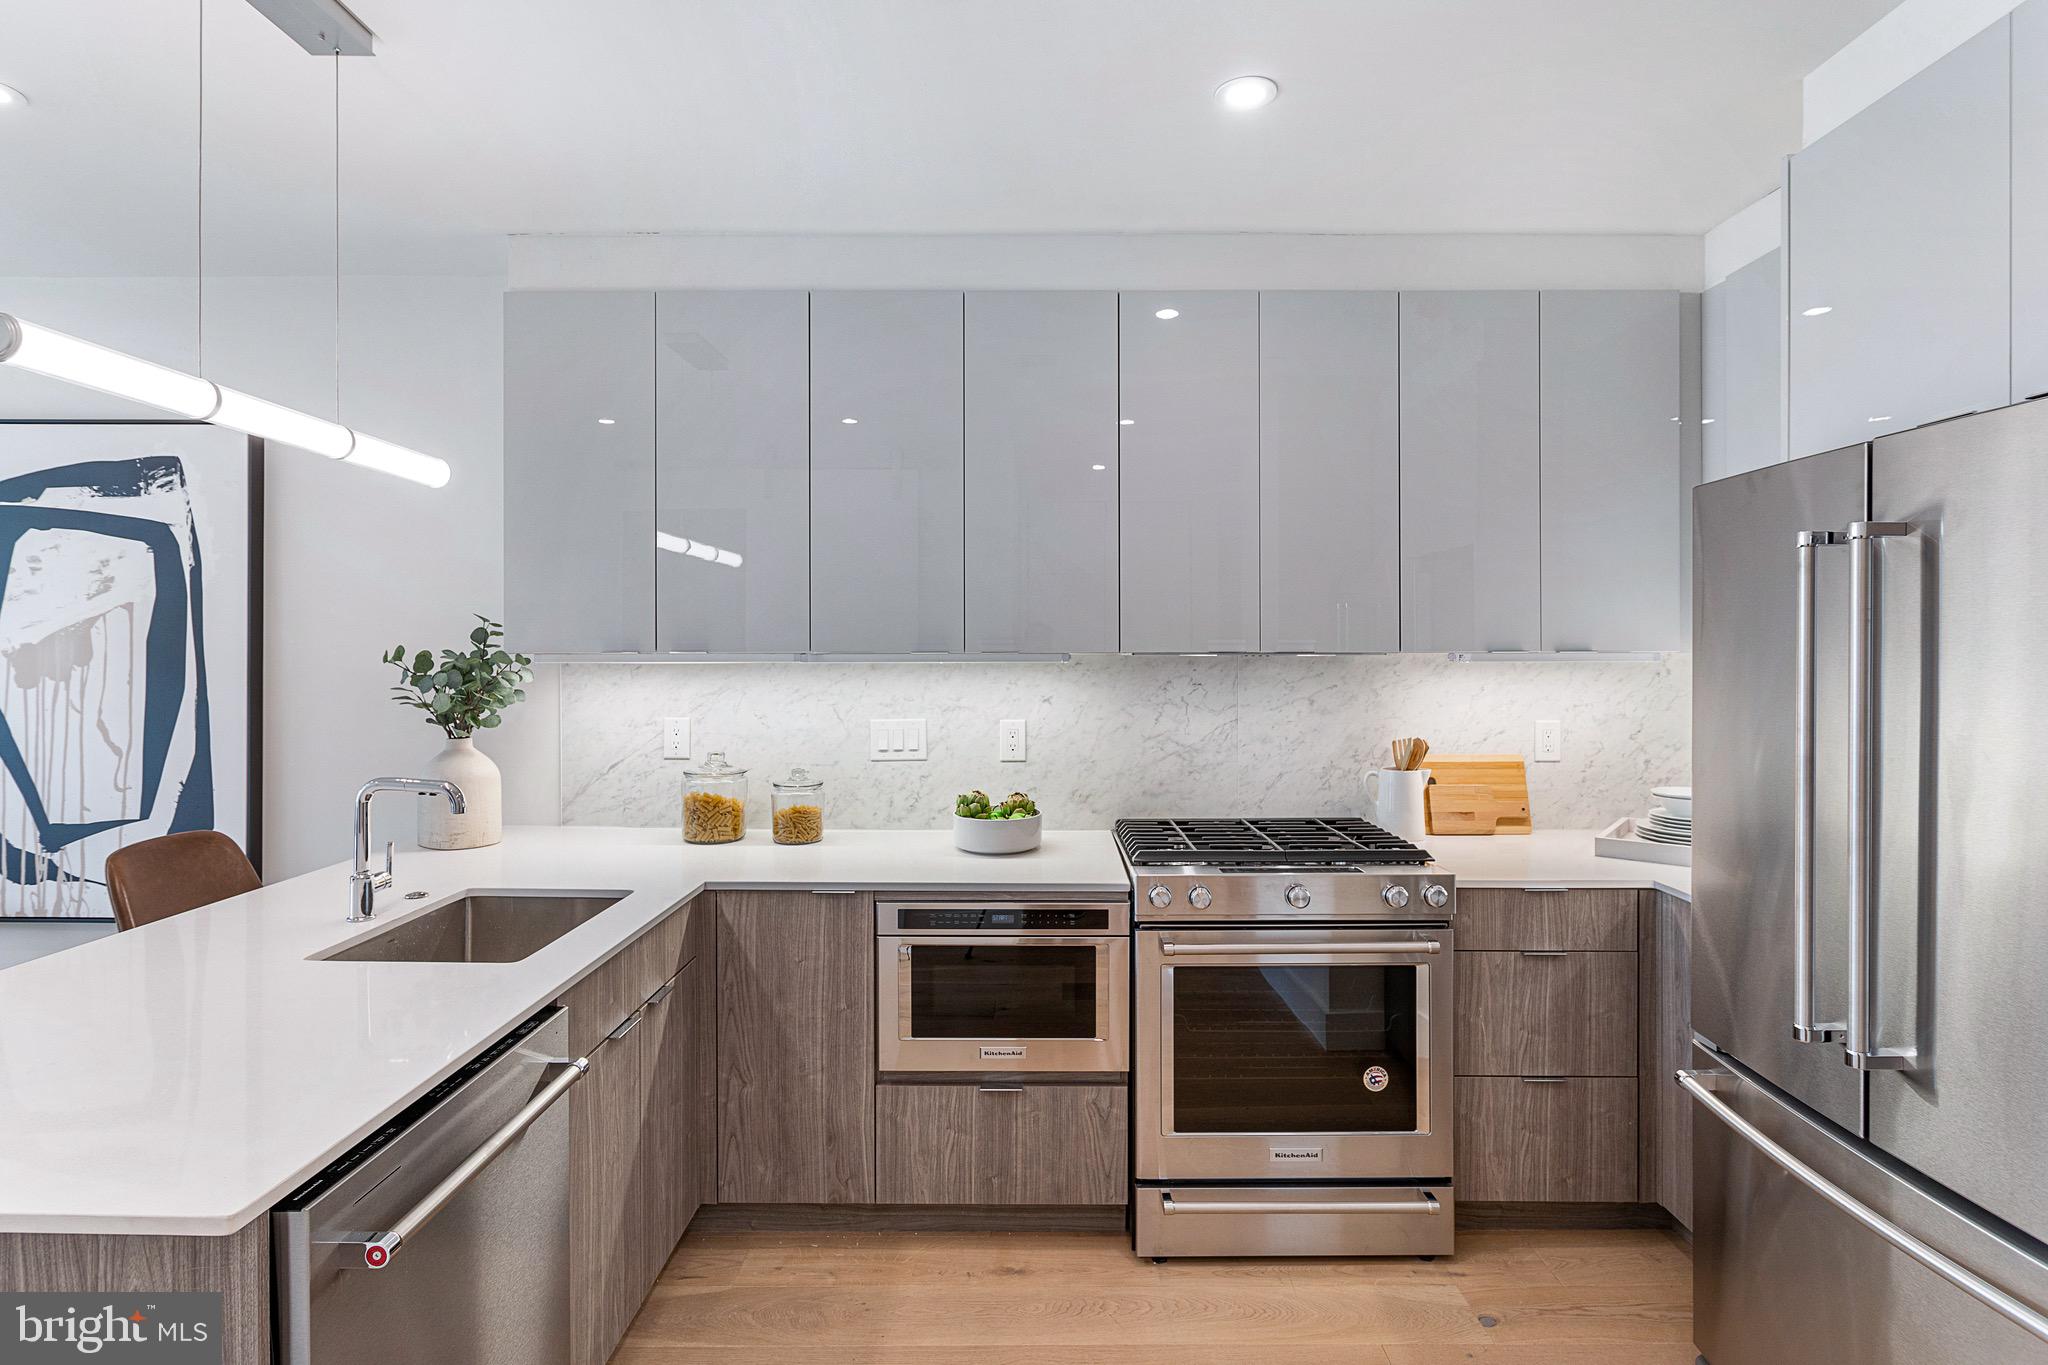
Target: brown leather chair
(158, 878)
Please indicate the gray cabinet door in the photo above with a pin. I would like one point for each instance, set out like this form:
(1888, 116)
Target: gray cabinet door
(1901, 227)
(1471, 557)
(1041, 472)
(1189, 387)
(1329, 472)
(2030, 200)
(579, 472)
(886, 479)
(1613, 437)
(1743, 382)
(732, 471)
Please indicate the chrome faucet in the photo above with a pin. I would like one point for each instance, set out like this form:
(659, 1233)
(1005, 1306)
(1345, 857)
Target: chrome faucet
(363, 884)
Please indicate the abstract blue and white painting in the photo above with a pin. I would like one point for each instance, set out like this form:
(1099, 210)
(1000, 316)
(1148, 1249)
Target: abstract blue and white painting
(125, 601)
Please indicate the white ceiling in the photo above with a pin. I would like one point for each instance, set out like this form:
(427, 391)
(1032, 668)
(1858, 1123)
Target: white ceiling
(486, 117)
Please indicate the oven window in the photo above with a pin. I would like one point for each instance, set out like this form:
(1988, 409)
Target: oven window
(1002, 991)
(1291, 1049)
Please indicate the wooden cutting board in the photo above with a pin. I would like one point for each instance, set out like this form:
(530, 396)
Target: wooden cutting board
(1477, 794)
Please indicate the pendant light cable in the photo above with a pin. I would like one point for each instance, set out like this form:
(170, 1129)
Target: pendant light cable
(337, 234)
(199, 208)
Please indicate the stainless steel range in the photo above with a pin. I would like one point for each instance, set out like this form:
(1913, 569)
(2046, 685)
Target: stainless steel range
(1291, 1072)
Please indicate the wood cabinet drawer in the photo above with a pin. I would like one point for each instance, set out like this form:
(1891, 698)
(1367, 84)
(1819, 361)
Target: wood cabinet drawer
(1546, 1014)
(601, 1001)
(1571, 1140)
(1570, 921)
(999, 1142)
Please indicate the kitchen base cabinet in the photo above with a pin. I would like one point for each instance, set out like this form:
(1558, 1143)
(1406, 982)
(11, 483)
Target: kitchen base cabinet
(610, 1115)
(1666, 1049)
(796, 1048)
(1546, 1014)
(1547, 1139)
(237, 1267)
(1001, 1142)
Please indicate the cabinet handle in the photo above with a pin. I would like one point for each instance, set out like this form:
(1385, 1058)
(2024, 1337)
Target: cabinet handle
(999, 1089)
(627, 1025)
(833, 891)
(1544, 1080)
(1544, 952)
(1545, 890)
(662, 992)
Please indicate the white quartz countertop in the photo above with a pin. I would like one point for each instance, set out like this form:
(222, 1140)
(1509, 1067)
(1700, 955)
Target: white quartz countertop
(183, 1077)
(1548, 857)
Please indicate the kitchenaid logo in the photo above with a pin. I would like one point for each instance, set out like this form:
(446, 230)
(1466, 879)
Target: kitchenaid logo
(168, 1329)
(1297, 1154)
(1001, 1053)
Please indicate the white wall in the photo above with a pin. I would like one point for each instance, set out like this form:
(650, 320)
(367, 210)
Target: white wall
(1743, 237)
(1888, 54)
(355, 562)
(1247, 260)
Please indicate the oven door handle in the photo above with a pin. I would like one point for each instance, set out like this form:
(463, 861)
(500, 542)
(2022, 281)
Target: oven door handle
(1425, 1203)
(1429, 946)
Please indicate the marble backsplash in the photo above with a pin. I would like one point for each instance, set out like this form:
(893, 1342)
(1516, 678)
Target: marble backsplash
(1114, 736)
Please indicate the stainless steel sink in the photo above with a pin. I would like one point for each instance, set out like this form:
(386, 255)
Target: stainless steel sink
(484, 926)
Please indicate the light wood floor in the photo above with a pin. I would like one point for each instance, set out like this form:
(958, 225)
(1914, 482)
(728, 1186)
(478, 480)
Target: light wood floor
(1069, 1298)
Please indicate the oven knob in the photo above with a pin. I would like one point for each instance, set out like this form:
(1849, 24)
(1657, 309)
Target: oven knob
(1199, 897)
(1395, 896)
(1160, 896)
(1297, 896)
(1435, 897)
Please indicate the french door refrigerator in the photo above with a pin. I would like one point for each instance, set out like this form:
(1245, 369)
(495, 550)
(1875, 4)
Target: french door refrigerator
(1870, 913)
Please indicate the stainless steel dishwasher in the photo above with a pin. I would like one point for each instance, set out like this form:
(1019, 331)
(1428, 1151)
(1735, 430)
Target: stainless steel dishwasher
(444, 1236)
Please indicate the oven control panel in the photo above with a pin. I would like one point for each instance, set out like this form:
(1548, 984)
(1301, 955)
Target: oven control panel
(1006, 919)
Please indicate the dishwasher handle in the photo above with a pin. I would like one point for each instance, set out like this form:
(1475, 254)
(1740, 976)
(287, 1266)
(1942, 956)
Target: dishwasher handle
(378, 1248)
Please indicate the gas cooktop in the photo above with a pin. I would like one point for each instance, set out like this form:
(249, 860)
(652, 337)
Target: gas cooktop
(1252, 844)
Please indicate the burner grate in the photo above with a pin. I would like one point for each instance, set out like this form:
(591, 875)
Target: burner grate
(1299, 842)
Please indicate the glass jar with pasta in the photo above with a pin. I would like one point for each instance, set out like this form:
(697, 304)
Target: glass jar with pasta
(798, 808)
(714, 802)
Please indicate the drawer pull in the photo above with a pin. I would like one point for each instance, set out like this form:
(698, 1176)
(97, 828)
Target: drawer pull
(1546, 890)
(1543, 952)
(999, 1089)
(1544, 1080)
(1426, 1203)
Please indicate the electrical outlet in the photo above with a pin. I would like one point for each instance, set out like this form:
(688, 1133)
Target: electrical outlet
(675, 737)
(896, 741)
(1010, 741)
(1549, 741)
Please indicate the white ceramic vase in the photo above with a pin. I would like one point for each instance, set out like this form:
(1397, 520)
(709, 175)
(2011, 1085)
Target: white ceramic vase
(482, 821)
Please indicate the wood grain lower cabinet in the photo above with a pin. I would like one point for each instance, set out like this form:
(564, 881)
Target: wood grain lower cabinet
(1001, 1143)
(1574, 921)
(237, 1267)
(1666, 1048)
(1546, 1014)
(796, 1048)
(1563, 1139)
(610, 1117)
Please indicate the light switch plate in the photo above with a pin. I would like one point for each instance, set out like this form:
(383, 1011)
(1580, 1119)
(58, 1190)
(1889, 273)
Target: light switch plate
(1549, 741)
(1010, 741)
(675, 737)
(896, 741)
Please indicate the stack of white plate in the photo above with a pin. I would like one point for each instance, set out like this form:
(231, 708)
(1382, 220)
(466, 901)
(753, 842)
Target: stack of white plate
(1670, 818)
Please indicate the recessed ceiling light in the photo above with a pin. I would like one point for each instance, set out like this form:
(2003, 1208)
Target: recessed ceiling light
(9, 96)
(1167, 314)
(607, 421)
(1248, 92)
(1126, 421)
(849, 421)
(1817, 311)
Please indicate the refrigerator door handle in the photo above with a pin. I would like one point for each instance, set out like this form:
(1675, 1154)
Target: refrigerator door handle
(1804, 1029)
(1861, 1051)
(1701, 1085)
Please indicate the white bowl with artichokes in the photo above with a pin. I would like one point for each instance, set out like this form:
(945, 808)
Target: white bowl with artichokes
(1010, 825)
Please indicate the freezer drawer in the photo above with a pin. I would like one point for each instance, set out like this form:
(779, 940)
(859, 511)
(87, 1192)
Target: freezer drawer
(1295, 1220)
(1784, 1276)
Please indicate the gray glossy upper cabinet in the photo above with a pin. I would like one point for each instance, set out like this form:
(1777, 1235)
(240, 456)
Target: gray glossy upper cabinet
(1471, 553)
(1743, 380)
(732, 471)
(1041, 472)
(1189, 507)
(1329, 472)
(887, 524)
(1900, 228)
(2030, 200)
(1613, 463)
(579, 472)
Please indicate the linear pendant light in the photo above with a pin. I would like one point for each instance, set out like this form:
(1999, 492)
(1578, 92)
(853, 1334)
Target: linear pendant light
(57, 355)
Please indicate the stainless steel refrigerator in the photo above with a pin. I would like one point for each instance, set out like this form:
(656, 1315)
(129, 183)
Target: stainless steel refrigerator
(1870, 911)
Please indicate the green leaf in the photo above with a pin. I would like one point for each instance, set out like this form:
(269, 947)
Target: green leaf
(422, 662)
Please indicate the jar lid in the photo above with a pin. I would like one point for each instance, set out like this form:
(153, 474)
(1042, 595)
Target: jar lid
(799, 780)
(715, 766)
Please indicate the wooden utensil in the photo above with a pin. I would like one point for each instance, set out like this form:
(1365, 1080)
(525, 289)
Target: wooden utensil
(1408, 754)
(1478, 794)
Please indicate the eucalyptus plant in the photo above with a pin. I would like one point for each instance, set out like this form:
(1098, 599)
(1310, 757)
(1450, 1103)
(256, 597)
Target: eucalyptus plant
(462, 692)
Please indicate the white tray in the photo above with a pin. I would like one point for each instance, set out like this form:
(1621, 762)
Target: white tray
(1619, 840)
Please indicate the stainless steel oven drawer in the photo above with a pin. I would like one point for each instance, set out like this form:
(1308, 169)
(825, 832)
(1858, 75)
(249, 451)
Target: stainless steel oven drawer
(1295, 1220)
